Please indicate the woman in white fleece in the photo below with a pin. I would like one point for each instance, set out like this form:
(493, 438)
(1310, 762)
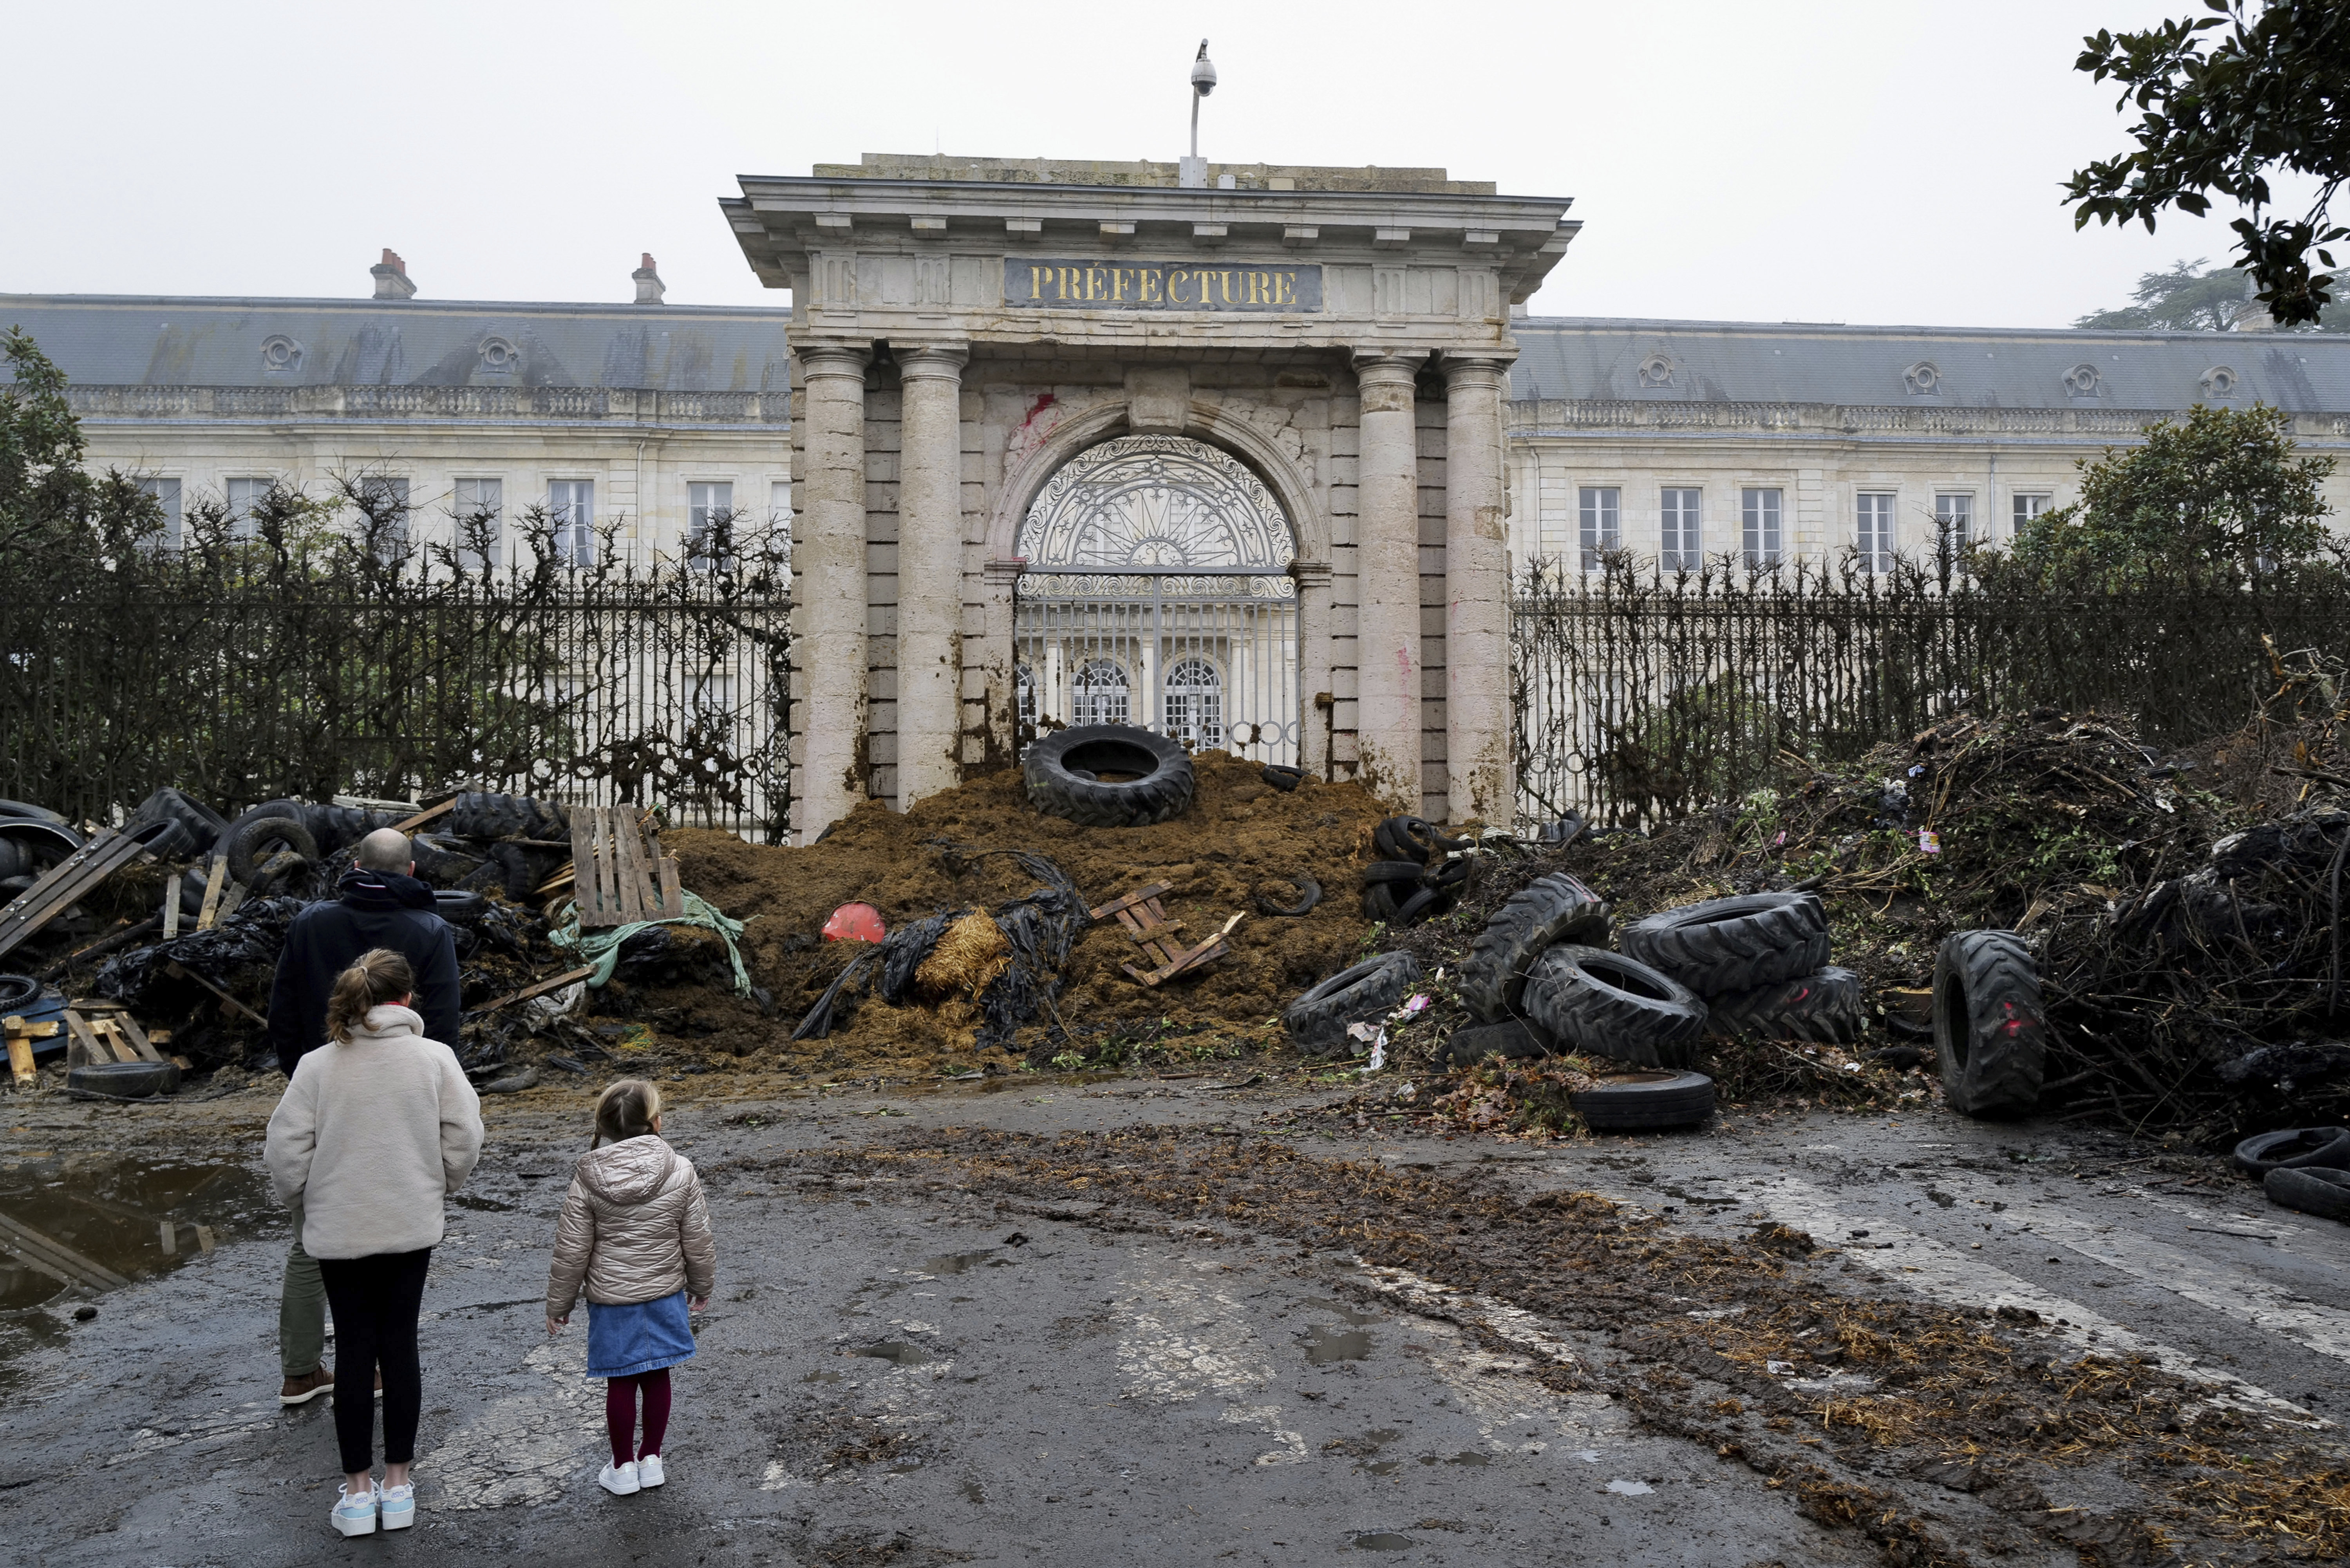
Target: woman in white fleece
(370, 1137)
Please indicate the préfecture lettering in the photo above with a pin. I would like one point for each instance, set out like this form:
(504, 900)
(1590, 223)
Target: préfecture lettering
(1059, 284)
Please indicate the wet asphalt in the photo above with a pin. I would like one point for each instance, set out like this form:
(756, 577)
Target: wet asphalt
(897, 1374)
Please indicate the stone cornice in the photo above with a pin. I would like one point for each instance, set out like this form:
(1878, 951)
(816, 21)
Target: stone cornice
(472, 405)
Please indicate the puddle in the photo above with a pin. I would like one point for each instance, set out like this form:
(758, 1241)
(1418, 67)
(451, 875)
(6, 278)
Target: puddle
(474, 1200)
(1384, 1467)
(955, 1263)
(897, 1352)
(1465, 1456)
(1382, 1541)
(1344, 1314)
(133, 1218)
(974, 1492)
(821, 1378)
(1631, 1488)
(1325, 1344)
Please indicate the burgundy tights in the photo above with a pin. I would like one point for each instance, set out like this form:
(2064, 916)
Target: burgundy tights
(621, 1414)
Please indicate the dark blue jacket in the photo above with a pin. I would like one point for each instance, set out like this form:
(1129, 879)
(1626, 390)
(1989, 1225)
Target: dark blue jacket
(375, 909)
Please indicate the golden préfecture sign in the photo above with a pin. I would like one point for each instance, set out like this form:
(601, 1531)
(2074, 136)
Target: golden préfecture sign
(1162, 285)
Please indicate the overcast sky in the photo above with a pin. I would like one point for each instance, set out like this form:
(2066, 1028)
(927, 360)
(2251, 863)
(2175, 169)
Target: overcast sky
(1881, 163)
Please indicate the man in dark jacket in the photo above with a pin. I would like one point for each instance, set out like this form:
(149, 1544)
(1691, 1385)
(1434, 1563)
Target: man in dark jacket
(379, 904)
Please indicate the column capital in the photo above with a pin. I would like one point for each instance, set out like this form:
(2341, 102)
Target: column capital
(1386, 367)
(932, 361)
(1310, 573)
(1485, 371)
(833, 359)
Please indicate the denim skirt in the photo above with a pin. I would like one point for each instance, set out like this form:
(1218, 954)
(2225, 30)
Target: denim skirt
(642, 1336)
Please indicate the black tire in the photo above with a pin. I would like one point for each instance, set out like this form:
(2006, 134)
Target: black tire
(439, 862)
(1828, 1008)
(2311, 1190)
(1613, 1006)
(1449, 876)
(1560, 834)
(1538, 917)
(1393, 872)
(458, 908)
(1158, 785)
(123, 1080)
(1417, 907)
(18, 991)
(1640, 1101)
(39, 843)
(1734, 944)
(28, 810)
(1317, 1020)
(1380, 902)
(2294, 1149)
(1514, 1040)
(1990, 1038)
(1412, 838)
(255, 841)
(1309, 893)
(1282, 777)
(334, 827)
(202, 824)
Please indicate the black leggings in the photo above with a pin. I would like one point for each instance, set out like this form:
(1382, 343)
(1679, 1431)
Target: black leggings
(376, 1300)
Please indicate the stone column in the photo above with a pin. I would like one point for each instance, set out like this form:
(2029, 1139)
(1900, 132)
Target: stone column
(1388, 677)
(929, 572)
(1478, 747)
(828, 560)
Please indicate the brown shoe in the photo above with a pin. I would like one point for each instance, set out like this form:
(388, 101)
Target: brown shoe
(308, 1387)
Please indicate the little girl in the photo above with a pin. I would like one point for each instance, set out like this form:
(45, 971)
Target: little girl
(636, 1231)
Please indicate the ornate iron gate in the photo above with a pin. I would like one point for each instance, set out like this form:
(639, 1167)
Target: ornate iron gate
(1158, 592)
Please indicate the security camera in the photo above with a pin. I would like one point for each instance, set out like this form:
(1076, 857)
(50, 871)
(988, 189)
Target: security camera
(1204, 72)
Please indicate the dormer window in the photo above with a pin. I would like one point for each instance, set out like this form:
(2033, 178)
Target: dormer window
(1924, 379)
(498, 356)
(2219, 381)
(1657, 370)
(2083, 380)
(280, 355)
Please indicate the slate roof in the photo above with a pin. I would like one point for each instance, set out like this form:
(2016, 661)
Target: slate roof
(127, 340)
(1576, 358)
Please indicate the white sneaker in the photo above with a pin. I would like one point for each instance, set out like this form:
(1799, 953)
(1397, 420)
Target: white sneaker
(398, 1505)
(620, 1479)
(649, 1471)
(355, 1515)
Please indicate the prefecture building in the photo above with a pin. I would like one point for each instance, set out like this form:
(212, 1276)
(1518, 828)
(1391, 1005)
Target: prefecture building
(1249, 456)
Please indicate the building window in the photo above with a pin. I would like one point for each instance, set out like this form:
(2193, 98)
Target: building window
(166, 492)
(244, 499)
(2027, 507)
(1954, 520)
(708, 506)
(1872, 537)
(479, 505)
(1683, 547)
(779, 520)
(1602, 525)
(1098, 695)
(383, 516)
(1758, 510)
(1195, 704)
(1024, 682)
(571, 503)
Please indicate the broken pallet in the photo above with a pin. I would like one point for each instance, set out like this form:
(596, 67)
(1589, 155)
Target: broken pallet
(1146, 922)
(72, 880)
(619, 876)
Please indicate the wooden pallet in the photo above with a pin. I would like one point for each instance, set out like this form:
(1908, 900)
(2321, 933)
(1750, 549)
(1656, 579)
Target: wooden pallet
(69, 881)
(104, 1031)
(619, 875)
(1144, 919)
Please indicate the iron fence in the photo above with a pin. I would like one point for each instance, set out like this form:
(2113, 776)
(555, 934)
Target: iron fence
(1641, 697)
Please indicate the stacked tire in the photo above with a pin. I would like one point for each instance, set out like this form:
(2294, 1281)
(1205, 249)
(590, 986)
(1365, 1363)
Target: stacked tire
(1417, 874)
(1761, 962)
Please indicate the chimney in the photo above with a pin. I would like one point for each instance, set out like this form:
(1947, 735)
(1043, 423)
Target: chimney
(391, 277)
(649, 282)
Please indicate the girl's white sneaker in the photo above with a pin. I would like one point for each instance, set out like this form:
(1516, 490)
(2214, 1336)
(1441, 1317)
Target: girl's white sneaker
(620, 1479)
(398, 1506)
(355, 1515)
(649, 1471)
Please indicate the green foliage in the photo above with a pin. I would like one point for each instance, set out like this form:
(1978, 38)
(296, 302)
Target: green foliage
(2219, 501)
(2224, 98)
(53, 511)
(2183, 299)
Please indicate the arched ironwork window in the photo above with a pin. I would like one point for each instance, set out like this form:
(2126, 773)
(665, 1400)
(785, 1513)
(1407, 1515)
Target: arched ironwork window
(1164, 505)
(1195, 704)
(1100, 695)
(1023, 683)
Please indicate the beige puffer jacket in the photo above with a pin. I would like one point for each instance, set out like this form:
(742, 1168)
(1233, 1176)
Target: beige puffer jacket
(635, 1228)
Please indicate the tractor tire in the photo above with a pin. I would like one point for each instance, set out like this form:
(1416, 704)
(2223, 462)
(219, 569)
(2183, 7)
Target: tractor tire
(1538, 917)
(1158, 783)
(1318, 1019)
(1989, 1039)
(202, 824)
(1825, 1008)
(1644, 1101)
(1613, 1006)
(1734, 944)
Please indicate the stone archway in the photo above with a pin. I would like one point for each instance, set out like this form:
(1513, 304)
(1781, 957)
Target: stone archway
(1167, 561)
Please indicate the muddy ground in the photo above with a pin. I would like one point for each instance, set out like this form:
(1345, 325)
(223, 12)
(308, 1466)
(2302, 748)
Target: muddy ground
(1062, 1320)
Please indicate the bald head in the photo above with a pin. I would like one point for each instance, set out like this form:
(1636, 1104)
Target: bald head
(387, 850)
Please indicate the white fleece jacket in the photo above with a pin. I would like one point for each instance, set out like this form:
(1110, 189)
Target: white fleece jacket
(372, 1136)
